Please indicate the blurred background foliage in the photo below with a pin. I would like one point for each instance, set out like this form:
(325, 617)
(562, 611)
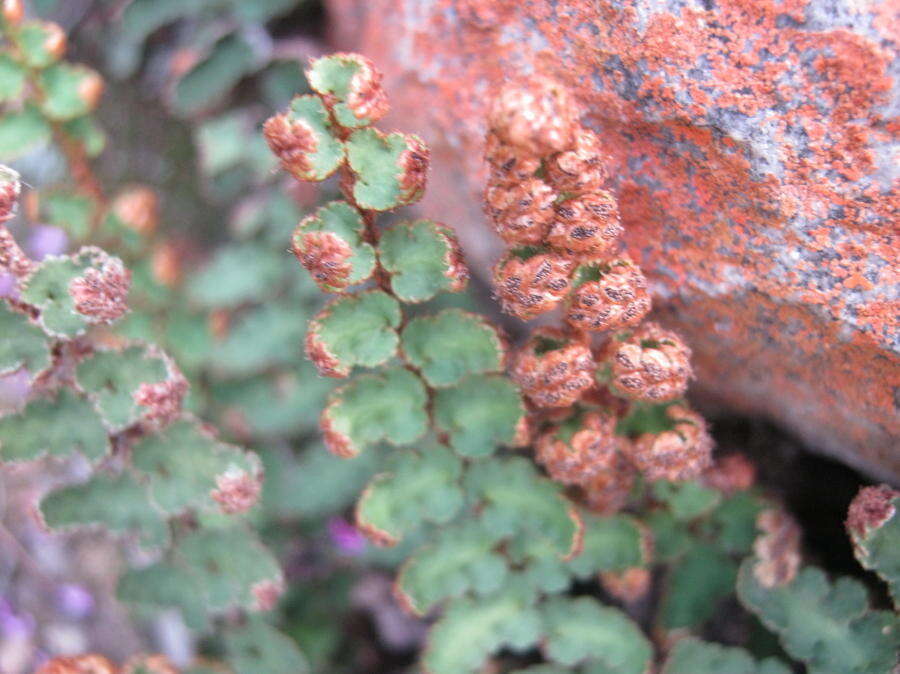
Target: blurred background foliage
(189, 83)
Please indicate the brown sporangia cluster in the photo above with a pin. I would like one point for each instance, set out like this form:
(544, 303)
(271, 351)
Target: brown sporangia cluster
(138, 208)
(13, 259)
(101, 293)
(93, 663)
(548, 200)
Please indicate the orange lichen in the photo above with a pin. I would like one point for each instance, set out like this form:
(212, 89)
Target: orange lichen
(745, 144)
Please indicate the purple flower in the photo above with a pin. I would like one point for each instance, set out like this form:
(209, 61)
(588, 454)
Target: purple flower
(7, 285)
(345, 537)
(44, 240)
(74, 601)
(14, 625)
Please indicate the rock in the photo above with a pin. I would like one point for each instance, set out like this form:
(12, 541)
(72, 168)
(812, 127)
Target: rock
(753, 150)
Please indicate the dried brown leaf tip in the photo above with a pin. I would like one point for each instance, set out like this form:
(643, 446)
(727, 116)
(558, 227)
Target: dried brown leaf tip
(149, 664)
(325, 256)
(507, 163)
(652, 364)
(529, 283)
(79, 664)
(138, 208)
(552, 369)
(90, 89)
(777, 548)
(521, 211)
(236, 491)
(535, 114)
(586, 224)
(730, 474)
(627, 586)
(293, 141)
(266, 594)
(457, 270)
(681, 453)
(10, 188)
(101, 293)
(870, 509)
(413, 163)
(581, 169)
(608, 296)
(327, 364)
(580, 448)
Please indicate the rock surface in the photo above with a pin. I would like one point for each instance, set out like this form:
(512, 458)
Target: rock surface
(753, 148)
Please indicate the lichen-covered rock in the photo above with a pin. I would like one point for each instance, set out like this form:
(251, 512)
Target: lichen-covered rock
(749, 146)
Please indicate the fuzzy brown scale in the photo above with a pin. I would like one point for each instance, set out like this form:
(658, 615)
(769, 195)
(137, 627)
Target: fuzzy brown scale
(413, 163)
(651, 365)
(293, 142)
(607, 492)
(580, 169)
(236, 491)
(556, 377)
(521, 211)
(457, 270)
(102, 294)
(681, 453)
(163, 400)
(506, 162)
(617, 299)
(590, 451)
(777, 549)
(536, 115)
(528, 288)
(586, 224)
(366, 97)
(325, 256)
(870, 509)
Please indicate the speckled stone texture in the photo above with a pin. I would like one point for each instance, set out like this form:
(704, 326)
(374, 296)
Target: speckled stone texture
(753, 148)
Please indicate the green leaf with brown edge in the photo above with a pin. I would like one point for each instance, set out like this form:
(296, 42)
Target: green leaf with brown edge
(357, 330)
(387, 406)
(12, 78)
(119, 504)
(612, 543)
(695, 586)
(185, 466)
(583, 631)
(42, 43)
(70, 91)
(337, 77)
(389, 169)
(452, 344)
(692, 656)
(461, 559)
(873, 524)
(479, 413)
(47, 288)
(471, 629)
(255, 647)
(24, 344)
(422, 258)
(112, 378)
(55, 427)
(513, 499)
(22, 131)
(422, 486)
(304, 140)
(828, 626)
(331, 245)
